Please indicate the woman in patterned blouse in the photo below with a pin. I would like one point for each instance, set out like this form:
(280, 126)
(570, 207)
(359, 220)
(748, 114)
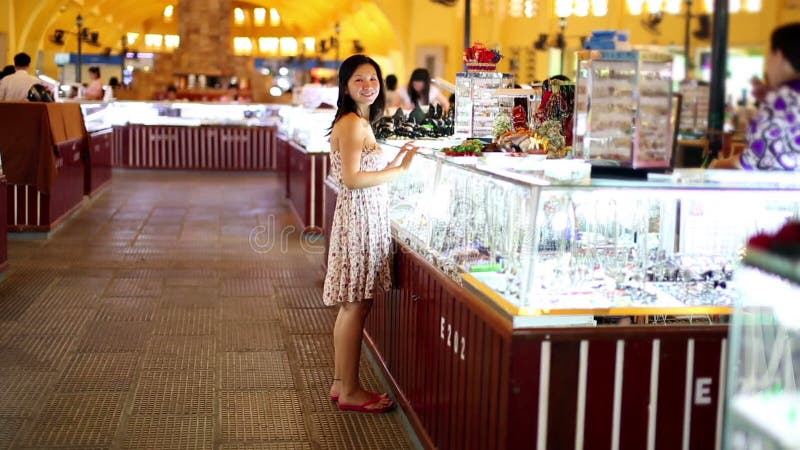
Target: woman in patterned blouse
(773, 137)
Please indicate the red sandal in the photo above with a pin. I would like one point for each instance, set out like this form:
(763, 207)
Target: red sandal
(335, 398)
(364, 407)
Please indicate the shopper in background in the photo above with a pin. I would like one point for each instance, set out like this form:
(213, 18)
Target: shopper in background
(15, 87)
(393, 99)
(94, 91)
(7, 70)
(420, 92)
(359, 254)
(773, 137)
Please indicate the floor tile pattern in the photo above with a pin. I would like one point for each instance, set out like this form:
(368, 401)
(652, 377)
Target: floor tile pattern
(149, 321)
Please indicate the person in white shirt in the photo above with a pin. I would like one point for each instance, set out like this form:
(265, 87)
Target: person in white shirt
(420, 92)
(94, 91)
(15, 87)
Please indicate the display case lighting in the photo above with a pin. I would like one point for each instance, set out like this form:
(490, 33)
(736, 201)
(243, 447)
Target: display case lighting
(566, 8)
(752, 6)
(169, 12)
(242, 45)
(269, 45)
(172, 41)
(599, 8)
(238, 16)
(131, 38)
(288, 46)
(580, 8)
(153, 40)
(260, 16)
(309, 44)
(635, 7)
(274, 17)
(654, 6)
(673, 6)
(735, 6)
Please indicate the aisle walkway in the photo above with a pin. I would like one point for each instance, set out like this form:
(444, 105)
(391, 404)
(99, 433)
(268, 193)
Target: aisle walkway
(149, 321)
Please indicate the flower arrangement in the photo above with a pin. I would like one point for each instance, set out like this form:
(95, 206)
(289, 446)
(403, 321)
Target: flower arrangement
(479, 57)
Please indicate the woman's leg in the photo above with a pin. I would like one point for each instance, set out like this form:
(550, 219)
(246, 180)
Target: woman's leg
(348, 331)
(337, 377)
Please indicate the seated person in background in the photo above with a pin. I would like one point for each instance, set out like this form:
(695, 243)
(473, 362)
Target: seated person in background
(232, 95)
(15, 87)
(172, 93)
(773, 137)
(94, 91)
(393, 99)
(7, 70)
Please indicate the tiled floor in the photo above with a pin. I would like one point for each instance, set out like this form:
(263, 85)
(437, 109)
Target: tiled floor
(164, 315)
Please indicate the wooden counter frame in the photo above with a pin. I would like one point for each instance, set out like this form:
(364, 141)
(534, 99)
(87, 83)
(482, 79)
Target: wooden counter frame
(423, 327)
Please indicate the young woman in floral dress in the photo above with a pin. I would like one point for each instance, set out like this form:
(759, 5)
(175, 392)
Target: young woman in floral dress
(359, 251)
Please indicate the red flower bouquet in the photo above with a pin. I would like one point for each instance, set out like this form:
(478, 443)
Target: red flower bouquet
(481, 58)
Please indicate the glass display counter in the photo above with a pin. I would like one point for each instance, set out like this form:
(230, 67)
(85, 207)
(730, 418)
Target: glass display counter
(303, 148)
(188, 135)
(501, 271)
(764, 372)
(540, 245)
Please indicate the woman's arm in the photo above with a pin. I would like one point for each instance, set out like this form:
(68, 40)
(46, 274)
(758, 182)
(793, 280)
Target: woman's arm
(399, 158)
(352, 133)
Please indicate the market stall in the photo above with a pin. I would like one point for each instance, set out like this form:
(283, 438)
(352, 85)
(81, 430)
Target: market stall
(194, 136)
(503, 272)
(42, 146)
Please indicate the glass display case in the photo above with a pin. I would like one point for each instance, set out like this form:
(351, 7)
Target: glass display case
(763, 407)
(542, 245)
(307, 127)
(105, 115)
(622, 106)
(476, 105)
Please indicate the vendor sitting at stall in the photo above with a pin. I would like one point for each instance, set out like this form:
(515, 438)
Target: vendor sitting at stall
(773, 137)
(15, 87)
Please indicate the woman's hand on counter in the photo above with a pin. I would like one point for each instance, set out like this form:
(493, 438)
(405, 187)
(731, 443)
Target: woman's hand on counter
(408, 156)
(725, 163)
(401, 154)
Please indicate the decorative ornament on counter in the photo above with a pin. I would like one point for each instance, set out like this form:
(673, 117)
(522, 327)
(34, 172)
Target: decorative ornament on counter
(480, 58)
(786, 242)
(502, 125)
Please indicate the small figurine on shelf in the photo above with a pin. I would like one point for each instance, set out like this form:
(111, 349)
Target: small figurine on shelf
(481, 58)
(520, 118)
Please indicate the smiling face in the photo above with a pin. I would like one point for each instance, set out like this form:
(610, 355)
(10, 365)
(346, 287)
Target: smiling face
(364, 86)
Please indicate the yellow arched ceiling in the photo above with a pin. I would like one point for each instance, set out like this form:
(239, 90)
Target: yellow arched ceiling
(31, 23)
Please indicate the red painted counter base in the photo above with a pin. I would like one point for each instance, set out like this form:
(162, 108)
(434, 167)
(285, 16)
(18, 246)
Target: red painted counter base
(213, 147)
(97, 164)
(30, 210)
(3, 228)
(467, 380)
(306, 173)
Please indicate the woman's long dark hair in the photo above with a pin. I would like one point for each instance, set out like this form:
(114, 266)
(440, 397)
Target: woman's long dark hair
(344, 103)
(419, 75)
